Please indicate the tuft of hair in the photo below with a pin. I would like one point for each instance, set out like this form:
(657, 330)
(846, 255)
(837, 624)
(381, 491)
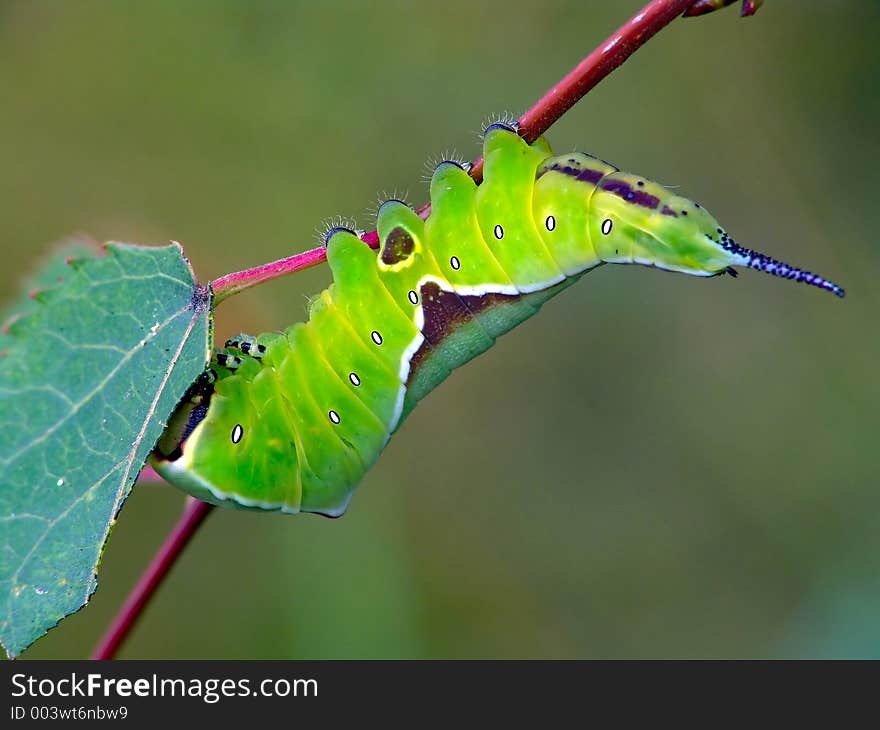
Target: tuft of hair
(310, 301)
(505, 118)
(328, 224)
(383, 197)
(446, 156)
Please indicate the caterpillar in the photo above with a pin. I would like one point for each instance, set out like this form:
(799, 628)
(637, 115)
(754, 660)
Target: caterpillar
(291, 421)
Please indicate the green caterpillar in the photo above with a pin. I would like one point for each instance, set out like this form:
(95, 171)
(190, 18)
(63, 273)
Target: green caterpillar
(291, 421)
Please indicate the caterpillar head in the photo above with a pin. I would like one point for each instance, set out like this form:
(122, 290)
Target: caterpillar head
(189, 414)
(208, 450)
(227, 441)
(635, 221)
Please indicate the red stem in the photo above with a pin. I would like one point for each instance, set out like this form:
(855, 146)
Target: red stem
(595, 67)
(610, 54)
(194, 513)
(231, 284)
(148, 474)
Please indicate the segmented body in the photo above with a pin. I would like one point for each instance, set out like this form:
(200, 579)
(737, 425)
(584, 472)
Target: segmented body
(295, 419)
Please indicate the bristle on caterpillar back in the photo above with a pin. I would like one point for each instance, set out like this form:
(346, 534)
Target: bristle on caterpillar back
(384, 196)
(504, 119)
(446, 156)
(328, 225)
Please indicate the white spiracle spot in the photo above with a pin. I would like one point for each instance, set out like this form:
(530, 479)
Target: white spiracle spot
(237, 433)
(376, 337)
(455, 263)
(355, 380)
(413, 297)
(499, 232)
(606, 226)
(334, 417)
(550, 223)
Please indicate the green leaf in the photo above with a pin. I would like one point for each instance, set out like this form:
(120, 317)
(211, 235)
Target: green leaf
(86, 385)
(48, 275)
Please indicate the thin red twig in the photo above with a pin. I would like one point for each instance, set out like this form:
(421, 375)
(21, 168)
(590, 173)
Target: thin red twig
(595, 67)
(148, 474)
(231, 284)
(194, 513)
(618, 47)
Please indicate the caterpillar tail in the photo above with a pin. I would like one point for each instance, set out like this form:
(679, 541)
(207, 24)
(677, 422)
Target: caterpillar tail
(635, 221)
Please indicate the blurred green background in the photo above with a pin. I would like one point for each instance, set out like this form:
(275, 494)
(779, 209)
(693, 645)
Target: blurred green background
(654, 466)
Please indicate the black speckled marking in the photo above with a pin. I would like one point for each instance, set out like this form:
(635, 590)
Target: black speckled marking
(398, 246)
(761, 262)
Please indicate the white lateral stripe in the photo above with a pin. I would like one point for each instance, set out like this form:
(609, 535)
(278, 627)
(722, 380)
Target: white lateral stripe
(177, 467)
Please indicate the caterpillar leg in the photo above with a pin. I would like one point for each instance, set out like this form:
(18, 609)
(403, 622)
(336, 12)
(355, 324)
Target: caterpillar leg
(228, 360)
(239, 350)
(246, 345)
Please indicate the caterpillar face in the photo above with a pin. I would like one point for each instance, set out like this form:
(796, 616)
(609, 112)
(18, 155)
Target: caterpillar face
(233, 428)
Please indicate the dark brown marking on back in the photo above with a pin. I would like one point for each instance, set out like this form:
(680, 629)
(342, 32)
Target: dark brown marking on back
(582, 174)
(398, 247)
(623, 189)
(588, 174)
(445, 312)
(668, 211)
